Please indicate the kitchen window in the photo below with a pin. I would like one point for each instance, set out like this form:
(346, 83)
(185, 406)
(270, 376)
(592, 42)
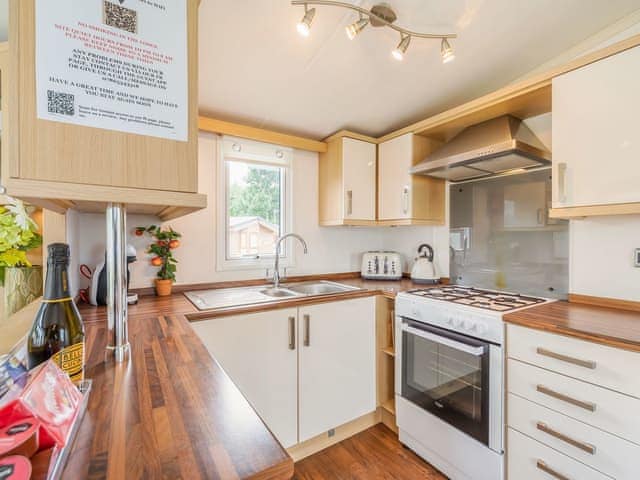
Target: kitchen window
(254, 191)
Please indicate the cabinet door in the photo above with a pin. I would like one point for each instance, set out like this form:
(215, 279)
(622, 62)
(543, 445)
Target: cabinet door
(255, 352)
(359, 179)
(596, 133)
(394, 182)
(337, 380)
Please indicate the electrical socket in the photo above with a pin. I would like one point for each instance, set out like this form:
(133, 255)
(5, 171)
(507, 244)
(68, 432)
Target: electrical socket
(636, 257)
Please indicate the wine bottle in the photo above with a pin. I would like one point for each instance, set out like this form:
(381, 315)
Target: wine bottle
(57, 331)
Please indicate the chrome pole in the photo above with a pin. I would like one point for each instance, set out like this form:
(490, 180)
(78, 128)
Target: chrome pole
(118, 335)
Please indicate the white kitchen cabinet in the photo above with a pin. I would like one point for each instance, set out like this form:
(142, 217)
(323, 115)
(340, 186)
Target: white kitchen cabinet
(337, 379)
(574, 403)
(347, 182)
(255, 351)
(405, 199)
(596, 133)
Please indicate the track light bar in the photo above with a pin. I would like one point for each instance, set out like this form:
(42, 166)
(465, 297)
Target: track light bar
(375, 19)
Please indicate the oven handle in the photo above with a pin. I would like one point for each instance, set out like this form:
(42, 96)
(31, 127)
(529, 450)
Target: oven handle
(475, 351)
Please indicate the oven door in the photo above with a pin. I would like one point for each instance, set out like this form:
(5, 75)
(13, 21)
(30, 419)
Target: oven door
(447, 374)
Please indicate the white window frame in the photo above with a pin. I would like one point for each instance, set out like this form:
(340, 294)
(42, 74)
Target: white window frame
(249, 151)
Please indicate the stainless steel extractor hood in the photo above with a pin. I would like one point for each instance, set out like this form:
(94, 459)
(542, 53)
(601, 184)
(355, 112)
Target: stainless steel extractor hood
(486, 149)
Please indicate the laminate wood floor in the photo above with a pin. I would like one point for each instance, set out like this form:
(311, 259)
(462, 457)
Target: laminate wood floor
(374, 454)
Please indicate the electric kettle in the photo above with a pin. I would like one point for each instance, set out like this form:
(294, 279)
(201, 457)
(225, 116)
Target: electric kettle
(424, 271)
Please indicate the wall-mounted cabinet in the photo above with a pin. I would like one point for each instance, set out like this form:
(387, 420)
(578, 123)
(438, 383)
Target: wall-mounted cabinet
(60, 165)
(362, 183)
(347, 182)
(405, 199)
(596, 138)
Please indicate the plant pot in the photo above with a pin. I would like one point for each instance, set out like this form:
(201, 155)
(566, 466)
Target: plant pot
(22, 285)
(163, 287)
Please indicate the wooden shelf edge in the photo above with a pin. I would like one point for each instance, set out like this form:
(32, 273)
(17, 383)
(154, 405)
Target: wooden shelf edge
(60, 197)
(389, 351)
(595, 211)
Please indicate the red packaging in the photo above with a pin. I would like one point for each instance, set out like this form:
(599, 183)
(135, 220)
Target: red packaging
(20, 438)
(15, 468)
(52, 398)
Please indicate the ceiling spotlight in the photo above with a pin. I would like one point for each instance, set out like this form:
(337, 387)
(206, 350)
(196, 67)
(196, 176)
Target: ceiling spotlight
(356, 27)
(304, 27)
(400, 50)
(446, 51)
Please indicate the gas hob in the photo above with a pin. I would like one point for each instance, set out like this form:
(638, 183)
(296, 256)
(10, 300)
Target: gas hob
(474, 297)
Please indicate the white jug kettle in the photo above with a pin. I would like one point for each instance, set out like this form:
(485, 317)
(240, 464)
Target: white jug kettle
(424, 271)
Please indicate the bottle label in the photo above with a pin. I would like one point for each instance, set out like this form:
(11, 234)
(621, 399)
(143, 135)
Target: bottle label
(71, 361)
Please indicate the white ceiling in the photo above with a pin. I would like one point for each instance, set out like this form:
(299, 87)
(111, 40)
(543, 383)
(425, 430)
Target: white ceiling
(256, 69)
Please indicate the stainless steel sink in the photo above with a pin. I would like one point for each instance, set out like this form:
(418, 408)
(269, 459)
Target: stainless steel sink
(319, 288)
(231, 297)
(279, 292)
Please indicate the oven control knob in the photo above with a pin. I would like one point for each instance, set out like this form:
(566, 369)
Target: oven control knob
(481, 328)
(415, 311)
(458, 322)
(448, 320)
(469, 325)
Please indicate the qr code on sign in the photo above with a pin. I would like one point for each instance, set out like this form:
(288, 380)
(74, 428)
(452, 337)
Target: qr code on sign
(120, 17)
(63, 103)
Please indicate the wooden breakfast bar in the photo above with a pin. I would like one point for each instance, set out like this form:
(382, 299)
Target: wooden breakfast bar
(171, 412)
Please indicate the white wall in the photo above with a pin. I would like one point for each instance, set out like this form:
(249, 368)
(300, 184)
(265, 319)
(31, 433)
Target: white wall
(601, 261)
(331, 249)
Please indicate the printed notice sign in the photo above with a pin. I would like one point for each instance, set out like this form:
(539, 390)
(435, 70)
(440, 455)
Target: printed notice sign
(114, 64)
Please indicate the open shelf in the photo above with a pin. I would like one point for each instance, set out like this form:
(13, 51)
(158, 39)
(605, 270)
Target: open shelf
(390, 406)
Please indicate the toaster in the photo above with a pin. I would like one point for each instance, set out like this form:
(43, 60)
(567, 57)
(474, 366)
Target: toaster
(381, 265)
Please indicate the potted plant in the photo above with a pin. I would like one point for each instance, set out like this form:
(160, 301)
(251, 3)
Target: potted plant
(166, 240)
(20, 282)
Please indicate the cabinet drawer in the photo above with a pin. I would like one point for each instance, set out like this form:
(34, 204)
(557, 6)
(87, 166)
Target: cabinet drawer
(604, 366)
(601, 408)
(605, 452)
(531, 460)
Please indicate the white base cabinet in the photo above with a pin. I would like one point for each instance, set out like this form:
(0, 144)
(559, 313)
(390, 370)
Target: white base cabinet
(337, 381)
(254, 351)
(572, 408)
(304, 370)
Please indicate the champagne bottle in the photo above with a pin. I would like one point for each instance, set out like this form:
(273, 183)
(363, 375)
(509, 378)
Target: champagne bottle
(57, 331)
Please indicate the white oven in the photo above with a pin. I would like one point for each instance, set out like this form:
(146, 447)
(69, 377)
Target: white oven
(449, 381)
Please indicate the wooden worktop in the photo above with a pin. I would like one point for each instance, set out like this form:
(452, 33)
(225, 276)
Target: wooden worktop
(608, 326)
(173, 412)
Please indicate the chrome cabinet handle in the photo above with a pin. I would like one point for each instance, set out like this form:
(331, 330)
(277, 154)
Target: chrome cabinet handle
(565, 358)
(292, 333)
(587, 447)
(591, 407)
(546, 469)
(405, 199)
(349, 202)
(562, 182)
(307, 330)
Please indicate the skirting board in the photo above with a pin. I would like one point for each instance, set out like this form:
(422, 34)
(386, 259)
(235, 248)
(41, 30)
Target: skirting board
(320, 442)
